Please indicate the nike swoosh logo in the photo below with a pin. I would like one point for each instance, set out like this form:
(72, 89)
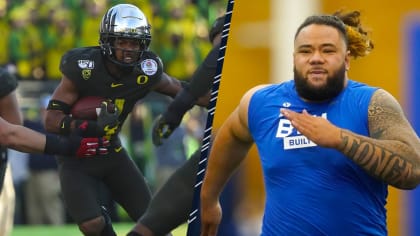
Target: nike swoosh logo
(115, 85)
(118, 149)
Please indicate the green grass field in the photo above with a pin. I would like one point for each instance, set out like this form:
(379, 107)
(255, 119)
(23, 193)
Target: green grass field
(72, 230)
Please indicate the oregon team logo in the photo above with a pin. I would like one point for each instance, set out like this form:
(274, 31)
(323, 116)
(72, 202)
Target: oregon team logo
(149, 66)
(86, 73)
(142, 79)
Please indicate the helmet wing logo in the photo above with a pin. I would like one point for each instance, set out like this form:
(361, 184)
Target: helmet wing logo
(149, 66)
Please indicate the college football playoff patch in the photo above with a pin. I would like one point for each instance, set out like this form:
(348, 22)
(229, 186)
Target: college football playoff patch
(149, 66)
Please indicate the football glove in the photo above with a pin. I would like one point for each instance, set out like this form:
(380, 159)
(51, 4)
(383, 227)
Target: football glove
(92, 147)
(162, 129)
(165, 124)
(76, 145)
(107, 121)
(106, 124)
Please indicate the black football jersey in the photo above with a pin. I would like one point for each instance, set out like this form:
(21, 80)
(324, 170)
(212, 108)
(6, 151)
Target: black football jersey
(86, 68)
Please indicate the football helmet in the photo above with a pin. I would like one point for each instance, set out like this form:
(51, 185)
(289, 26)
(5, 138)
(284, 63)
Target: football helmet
(124, 21)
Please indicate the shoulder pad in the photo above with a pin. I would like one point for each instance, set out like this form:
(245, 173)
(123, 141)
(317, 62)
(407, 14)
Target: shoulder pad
(8, 82)
(78, 59)
(150, 64)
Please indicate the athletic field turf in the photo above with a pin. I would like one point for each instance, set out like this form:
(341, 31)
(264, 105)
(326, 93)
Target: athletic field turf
(72, 230)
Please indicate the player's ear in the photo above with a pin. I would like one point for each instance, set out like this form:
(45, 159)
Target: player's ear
(347, 60)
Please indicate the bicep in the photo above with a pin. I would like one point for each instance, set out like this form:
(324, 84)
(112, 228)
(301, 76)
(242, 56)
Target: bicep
(239, 126)
(65, 92)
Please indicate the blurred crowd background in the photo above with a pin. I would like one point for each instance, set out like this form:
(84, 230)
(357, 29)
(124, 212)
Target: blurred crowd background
(36, 33)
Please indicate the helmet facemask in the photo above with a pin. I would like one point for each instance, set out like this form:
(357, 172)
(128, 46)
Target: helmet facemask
(124, 22)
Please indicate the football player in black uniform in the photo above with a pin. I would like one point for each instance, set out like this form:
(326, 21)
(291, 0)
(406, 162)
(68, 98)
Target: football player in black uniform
(123, 70)
(14, 135)
(171, 205)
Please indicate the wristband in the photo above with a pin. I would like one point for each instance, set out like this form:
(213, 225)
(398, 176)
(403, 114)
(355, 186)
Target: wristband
(59, 106)
(54, 145)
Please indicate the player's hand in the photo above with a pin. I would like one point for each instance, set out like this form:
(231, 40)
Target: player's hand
(76, 145)
(165, 124)
(211, 215)
(163, 128)
(107, 122)
(87, 147)
(319, 130)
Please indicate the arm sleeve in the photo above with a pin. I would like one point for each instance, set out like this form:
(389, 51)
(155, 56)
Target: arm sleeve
(200, 84)
(202, 79)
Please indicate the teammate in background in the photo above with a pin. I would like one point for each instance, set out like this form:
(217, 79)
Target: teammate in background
(123, 70)
(172, 203)
(14, 135)
(9, 110)
(329, 146)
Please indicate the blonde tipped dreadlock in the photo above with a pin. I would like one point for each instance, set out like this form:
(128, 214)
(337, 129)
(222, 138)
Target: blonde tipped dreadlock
(359, 42)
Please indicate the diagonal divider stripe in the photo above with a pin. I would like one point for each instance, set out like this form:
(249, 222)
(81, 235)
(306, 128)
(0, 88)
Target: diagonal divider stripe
(194, 223)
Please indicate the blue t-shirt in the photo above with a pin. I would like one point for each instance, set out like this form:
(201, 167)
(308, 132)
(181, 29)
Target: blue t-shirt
(311, 190)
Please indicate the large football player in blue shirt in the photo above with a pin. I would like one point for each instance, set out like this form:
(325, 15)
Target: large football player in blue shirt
(329, 146)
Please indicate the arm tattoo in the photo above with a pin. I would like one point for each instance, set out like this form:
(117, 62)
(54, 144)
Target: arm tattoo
(376, 160)
(389, 153)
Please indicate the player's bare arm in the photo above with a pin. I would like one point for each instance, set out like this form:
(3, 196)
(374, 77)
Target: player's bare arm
(59, 121)
(393, 151)
(65, 92)
(9, 109)
(171, 86)
(232, 142)
(15, 136)
(168, 85)
(23, 139)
